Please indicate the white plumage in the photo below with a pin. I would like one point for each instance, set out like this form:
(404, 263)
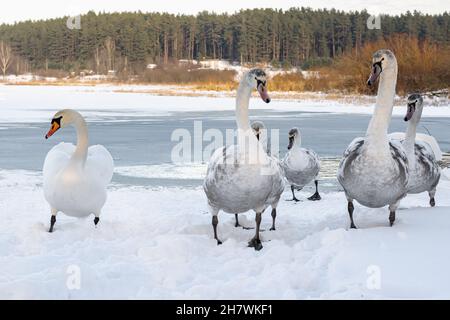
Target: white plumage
(76, 177)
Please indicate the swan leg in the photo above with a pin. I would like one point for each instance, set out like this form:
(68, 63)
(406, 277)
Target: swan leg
(237, 224)
(274, 215)
(391, 218)
(237, 220)
(215, 222)
(392, 209)
(97, 218)
(432, 193)
(256, 241)
(351, 208)
(53, 220)
(293, 195)
(316, 196)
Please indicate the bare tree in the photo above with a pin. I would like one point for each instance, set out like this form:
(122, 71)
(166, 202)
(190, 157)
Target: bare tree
(5, 57)
(110, 46)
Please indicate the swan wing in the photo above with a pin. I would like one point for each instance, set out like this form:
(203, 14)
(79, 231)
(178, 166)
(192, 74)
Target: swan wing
(431, 141)
(426, 138)
(353, 150)
(57, 159)
(100, 164)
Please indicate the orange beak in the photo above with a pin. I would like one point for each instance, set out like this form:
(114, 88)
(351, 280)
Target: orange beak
(55, 127)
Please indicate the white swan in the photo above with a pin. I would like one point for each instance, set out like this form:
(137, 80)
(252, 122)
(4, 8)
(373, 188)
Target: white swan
(243, 177)
(300, 166)
(374, 170)
(424, 171)
(75, 178)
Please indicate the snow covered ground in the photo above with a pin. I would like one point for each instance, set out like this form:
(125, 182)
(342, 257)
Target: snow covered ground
(157, 243)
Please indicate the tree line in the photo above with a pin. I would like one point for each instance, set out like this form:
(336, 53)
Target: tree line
(128, 41)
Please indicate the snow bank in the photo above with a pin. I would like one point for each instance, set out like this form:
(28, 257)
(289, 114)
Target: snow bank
(24, 104)
(157, 243)
(240, 69)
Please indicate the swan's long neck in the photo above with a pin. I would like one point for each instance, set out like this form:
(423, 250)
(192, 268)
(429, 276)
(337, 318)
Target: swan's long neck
(376, 136)
(297, 143)
(410, 136)
(80, 154)
(242, 100)
(250, 148)
(409, 142)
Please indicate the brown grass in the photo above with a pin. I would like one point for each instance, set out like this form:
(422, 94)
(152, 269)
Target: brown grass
(173, 74)
(422, 66)
(287, 82)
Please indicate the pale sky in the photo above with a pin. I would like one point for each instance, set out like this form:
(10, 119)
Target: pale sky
(19, 10)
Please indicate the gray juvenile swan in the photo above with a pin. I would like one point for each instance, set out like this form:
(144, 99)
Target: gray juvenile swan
(424, 171)
(374, 170)
(260, 131)
(243, 177)
(300, 166)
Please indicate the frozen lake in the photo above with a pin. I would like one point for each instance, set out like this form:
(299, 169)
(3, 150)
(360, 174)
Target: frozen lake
(137, 129)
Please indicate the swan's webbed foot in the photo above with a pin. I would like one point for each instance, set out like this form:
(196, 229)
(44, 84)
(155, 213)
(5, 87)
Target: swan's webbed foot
(294, 198)
(255, 243)
(315, 197)
(432, 202)
(96, 220)
(52, 223)
(392, 218)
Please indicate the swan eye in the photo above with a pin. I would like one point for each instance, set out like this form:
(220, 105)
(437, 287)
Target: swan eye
(57, 120)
